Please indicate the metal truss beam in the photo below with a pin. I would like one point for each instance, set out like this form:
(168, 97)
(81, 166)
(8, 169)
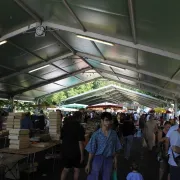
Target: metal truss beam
(113, 40)
(51, 81)
(128, 67)
(38, 65)
(18, 31)
(136, 80)
(74, 15)
(132, 20)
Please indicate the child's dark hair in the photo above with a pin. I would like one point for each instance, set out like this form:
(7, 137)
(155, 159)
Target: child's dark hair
(134, 166)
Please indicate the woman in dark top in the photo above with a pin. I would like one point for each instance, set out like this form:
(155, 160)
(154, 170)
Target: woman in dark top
(72, 135)
(128, 131)
(161, 155)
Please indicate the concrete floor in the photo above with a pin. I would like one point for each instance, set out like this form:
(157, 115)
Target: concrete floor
(147, 163)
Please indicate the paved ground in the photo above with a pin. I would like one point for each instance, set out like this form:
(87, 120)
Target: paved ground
(147, 163)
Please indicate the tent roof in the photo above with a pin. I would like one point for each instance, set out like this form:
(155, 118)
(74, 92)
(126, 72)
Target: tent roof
(145, 45)
(115, 94)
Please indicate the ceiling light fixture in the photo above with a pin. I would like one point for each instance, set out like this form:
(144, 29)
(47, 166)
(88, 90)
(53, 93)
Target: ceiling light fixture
(38, 68)
(95, 40)
(112, 66)
(3, 42)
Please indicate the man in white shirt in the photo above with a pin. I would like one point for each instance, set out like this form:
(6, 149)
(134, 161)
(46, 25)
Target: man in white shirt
(174, 140)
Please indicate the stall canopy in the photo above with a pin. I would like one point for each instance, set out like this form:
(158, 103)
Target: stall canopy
(50, 45)
(115, 94)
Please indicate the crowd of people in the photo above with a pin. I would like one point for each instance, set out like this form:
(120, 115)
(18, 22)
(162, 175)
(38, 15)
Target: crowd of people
(114, 134)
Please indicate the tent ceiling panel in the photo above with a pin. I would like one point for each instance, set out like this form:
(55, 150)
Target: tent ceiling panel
(54, 11)
(126, 72)
(68, 81)
(34, 44)
(111, 7)
(158, 28)
(105, 75)
(152, 80)
(157, 64)
(50, 88)
(97, 64)
(88, 75)
(9, 88)
(13, 57)
(33, 93)
(24, 80)
(105, 23)
(78, 44)
(128, 82)
(12, 16)
(53, 74)
(119, 53)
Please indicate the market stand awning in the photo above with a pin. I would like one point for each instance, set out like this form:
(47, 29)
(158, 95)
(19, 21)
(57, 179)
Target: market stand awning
(49, 46)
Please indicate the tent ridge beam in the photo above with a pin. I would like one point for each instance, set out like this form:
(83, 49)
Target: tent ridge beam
(113, 40)
(18, 31)
(51, 81)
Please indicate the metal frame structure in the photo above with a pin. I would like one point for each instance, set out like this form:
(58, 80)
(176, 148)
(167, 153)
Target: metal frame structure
(85, 57)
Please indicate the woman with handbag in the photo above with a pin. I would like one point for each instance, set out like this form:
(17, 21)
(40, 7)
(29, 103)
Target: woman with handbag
(162, 158)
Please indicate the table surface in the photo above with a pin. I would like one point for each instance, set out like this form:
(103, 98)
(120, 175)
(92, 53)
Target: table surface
(30, 150)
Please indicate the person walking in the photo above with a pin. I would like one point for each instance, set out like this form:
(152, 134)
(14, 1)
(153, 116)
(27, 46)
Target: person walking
(128, 130)
(163, 160)
(102, 147)
(174, 153)
(150, 131)
(72, 136)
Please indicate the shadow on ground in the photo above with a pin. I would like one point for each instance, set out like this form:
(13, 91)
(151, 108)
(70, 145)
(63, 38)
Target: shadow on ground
(147, 163)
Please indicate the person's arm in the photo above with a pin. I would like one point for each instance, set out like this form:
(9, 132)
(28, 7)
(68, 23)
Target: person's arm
(160, 139)
(176, 149)
(166, 144)
(88, 166)
(81, 139)
(81, 147)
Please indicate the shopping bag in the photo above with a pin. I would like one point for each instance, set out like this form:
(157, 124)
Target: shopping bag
(144, 144)
(114, 175)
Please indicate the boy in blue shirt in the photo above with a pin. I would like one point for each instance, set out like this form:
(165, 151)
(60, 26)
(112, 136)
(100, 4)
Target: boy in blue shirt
(102, 149)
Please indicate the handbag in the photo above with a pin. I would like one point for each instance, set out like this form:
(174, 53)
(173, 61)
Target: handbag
(176, 159)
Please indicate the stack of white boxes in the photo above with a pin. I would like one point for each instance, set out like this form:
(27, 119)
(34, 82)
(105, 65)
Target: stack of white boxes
(55, 124)
(10, 121)
(19, 138)
(17, 120)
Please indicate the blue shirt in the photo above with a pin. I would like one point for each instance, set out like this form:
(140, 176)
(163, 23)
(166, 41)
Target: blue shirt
(100, 144)
(134, 176)
(26, 123)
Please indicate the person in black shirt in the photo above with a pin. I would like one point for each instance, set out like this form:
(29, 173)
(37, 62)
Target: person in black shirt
(72, 136)
(128, 130)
